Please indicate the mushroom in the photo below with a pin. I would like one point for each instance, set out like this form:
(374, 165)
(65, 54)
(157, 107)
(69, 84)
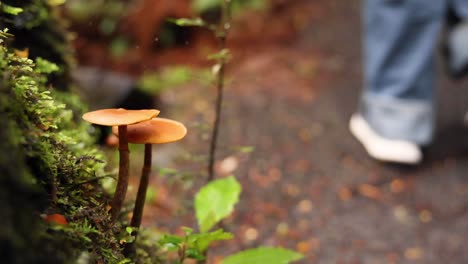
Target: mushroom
(120, 118)
(154, 131)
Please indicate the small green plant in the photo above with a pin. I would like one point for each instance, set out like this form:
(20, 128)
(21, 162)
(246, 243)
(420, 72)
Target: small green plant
(192, 245)
(202, 6)
(220, 31)
(213, 203)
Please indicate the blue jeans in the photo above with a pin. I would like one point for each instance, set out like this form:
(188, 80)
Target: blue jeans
(399, 41)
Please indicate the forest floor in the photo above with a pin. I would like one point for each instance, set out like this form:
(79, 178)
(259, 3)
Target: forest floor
(308, 185)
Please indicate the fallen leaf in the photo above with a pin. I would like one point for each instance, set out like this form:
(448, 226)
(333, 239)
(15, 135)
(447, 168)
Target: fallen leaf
(425, 216)
(414, 253)
(303, 247)
(274, 174)
(291, 189)
(370, 191)
(305, 206)
(228, 165)
(251, 234)
(397, 186)
(401, 214)
(305, 135)
(56, 219)
(345, 194)
(22, 53)
(282, 229)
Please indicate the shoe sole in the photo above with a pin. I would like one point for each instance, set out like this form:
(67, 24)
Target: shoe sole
(368, 138)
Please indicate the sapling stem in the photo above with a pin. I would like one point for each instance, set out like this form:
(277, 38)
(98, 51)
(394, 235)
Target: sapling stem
(214, 136)
(222, 36)
(122, 181)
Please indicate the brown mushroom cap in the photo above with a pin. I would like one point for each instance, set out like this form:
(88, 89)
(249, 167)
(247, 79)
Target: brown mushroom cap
(155, 131)
(119, 117)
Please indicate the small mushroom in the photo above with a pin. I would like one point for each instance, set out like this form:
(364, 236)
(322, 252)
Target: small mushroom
(154, 131)
(120, 118)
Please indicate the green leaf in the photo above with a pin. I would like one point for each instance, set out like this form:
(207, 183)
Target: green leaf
(56, 2)
(263, 255)
(119, 46)
(188, 22)
(11, 9)
(223, 54)
(245, 149)
(187, 230)
(194, 254)
(202, 241)
(125, 261)
(167, 171)
(201, 6)
(129, 230)
(171, 239)
(4, 33)
(171, 242)
(44, 66)
(216, 201)
(151, 194)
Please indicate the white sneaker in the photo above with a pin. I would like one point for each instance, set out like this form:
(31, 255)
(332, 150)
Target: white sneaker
(381, 148)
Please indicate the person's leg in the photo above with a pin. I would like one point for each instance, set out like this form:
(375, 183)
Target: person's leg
(399, 41)
(460, 8)
(457, 39)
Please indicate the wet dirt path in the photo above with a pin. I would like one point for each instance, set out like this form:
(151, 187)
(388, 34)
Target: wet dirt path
(308, 185)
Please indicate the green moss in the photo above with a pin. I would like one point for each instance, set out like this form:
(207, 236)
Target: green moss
(48, 161)
(49, 165)
(40, 28)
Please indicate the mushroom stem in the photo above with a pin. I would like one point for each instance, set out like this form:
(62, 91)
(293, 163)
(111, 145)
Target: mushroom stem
(122, 181)
(140, 199)
(141, 195)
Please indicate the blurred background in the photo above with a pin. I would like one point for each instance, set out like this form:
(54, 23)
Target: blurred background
(132, 44)
(293, 81)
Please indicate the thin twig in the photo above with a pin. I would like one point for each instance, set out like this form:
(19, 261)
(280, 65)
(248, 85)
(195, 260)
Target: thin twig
(93, 179)
(222, 36)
